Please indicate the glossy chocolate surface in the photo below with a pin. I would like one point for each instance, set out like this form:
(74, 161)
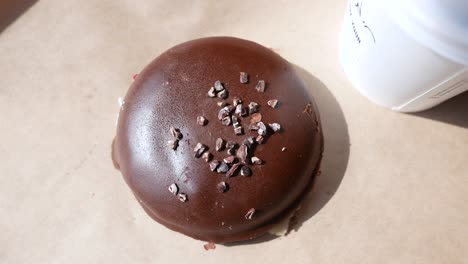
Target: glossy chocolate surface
(172, 92)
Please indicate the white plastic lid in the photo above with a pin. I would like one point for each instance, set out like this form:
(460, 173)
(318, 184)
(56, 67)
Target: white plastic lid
(441, 25)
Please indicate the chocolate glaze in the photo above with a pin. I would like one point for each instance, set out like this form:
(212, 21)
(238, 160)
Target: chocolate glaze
(172, 91)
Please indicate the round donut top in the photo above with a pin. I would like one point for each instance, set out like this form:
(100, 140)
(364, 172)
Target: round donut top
(218, 138)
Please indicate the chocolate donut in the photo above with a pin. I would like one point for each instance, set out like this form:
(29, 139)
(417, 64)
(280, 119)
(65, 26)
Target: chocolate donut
(218, 139)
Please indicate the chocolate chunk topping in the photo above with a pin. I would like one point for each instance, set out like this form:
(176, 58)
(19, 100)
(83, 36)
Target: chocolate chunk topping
(182, 197)
(214, 165)
(275, 127)
(222, 187)
(250, 214)
(260, 87)
(226, 121)
(207, 156)
(256, 161)
(223, 94)
(199, 149)
(201, 120)
(244, 77)
(223, 167)
(220, 144)
(212, 92)
(253, 107)
(173, 189)
(245, 171)
(175, 133)
(230, 159)
(273, 103)
(255, 118)
(218, 86)
(233, 170)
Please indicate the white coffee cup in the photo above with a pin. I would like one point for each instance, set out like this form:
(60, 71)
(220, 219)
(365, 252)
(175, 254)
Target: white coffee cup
(407, 55)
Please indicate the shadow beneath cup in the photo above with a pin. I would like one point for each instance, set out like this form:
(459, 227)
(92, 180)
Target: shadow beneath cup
(10, 10)
(453, 111)
(335, 156)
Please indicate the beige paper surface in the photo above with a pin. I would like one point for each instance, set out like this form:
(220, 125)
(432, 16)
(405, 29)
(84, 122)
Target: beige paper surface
(394, 187)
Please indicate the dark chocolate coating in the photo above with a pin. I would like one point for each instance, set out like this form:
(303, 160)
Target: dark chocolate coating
(171, 92)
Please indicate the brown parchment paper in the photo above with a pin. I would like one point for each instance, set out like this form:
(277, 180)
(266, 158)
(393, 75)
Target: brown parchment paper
(394, 187)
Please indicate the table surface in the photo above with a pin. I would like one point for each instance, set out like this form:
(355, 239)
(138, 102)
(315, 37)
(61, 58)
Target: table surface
(394, 187)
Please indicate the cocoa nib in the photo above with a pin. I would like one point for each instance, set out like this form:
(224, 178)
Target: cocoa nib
(222, 187)
(253, 107)
(275, 127)
(212, 92)
(175, 133)
(182, 197)
(262, 129)
(256, 161)
(218, 86)
(235, 121)
(260, 139)
(226, 121)
(253, 127)
(249, 142)
(231, 145)
(236, 101)
(233, 170)
(240, 110)
(250, 214)
(243, 153)
(238, 130)
(173, 144)
(223, 167)
(220, 144)
(173, 189)
(223, 94)
(201, 120)
(199, 149)
(229, 108)
(245, 171)
(214, 165)
(273, 103)
(221, 104)
(244, 77)
(230, 159)
(231, 151)
(260, 87)
(223, 112)
(207, 156)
